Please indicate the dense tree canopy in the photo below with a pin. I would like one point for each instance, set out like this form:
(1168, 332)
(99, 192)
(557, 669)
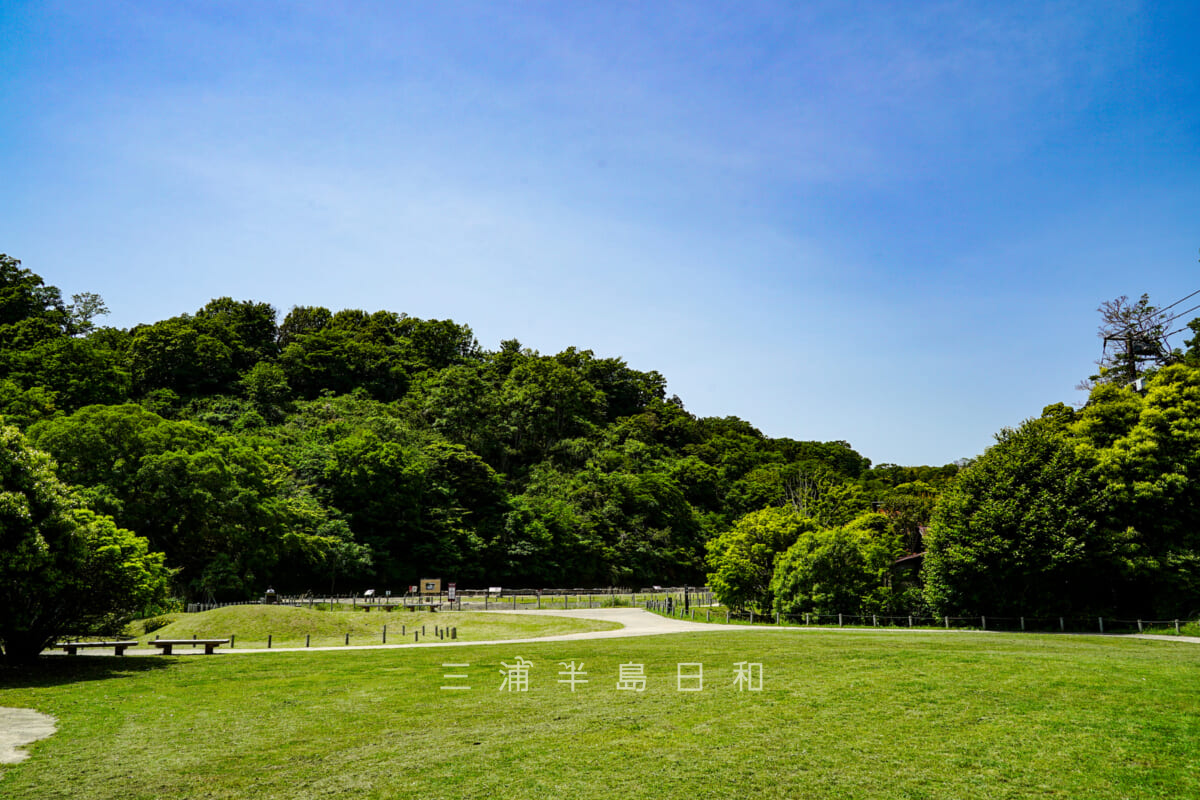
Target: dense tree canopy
(64, 570)
(353, 448)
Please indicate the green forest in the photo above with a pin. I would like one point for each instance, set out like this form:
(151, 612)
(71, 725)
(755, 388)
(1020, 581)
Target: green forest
(218, 452)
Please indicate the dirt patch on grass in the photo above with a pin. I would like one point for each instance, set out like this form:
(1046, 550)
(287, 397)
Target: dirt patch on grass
(19, 727)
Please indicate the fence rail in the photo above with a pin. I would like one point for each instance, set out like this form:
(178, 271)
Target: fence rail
(697, 604)
(484, 599)
(1072, 624)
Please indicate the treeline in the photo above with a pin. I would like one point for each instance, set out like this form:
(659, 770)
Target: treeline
(349, 449)
(1088, 512)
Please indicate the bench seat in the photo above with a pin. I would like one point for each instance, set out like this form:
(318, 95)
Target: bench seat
(73, 647)
(209, 644)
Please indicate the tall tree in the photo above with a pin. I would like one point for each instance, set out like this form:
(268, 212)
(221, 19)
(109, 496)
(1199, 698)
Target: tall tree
(743, 558)
(63, 568)
(1021, 532)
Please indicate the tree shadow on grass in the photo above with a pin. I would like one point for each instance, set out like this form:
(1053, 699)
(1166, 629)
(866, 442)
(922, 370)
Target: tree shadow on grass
(58, 670)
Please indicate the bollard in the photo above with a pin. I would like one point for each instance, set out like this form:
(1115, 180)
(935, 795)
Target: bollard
(874, 621)
(422, 630)
(454, 632)
(416, 636)
(268, 641)
(984, 623)
(1102, 624)
(708, 616)
(947, 620)
(910, 620)
(231, 638)
(776, 617)
(1176, 626)
(806, 618)
(1140, 627)
(307, 639)
(1022, 623)
(385, 634)
(1062, 625)
(347, 639)
(751, 616)
(839, 620)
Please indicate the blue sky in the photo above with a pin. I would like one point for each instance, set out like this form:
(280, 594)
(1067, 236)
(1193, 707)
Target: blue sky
(884, 222)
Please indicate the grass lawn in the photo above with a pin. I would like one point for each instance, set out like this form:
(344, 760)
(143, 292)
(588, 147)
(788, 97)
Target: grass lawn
(289, 626)
(862, 715)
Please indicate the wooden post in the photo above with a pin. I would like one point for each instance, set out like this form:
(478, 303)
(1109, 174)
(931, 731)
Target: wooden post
(1102, 624)
(514, 601)
(1022, 623)
(874, 621)
(708, 618)
(268, 641)
(454, 632)
(385, 633)
(403, 630)
(1140, 627)
(947, 621)
(1176, 626)
(307, 639)
(984, 623)
(347, 639)
(910, 620)
(231, 638)
(839, 620)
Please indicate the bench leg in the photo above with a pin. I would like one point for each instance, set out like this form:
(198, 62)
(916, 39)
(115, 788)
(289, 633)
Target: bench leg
(208, 649)
(120, 649)
(71, 650)
(166, 648)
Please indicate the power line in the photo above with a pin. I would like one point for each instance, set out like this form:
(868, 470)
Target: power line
(1180, 300)
(1180, 314)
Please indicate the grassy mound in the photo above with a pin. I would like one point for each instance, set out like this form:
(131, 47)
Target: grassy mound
(288, 626)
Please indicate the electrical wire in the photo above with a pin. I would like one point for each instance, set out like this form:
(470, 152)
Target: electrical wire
(1180, 314)
(1180, 300)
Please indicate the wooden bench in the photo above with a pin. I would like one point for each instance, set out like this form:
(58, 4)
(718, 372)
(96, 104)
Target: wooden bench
(209, 644)
(73, 647)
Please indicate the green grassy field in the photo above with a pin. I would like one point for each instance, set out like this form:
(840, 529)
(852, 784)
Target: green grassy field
(861, 715)
(288, 626)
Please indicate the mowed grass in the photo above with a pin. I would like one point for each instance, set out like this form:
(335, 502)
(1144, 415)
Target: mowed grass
(288, 626)
(840, 715)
